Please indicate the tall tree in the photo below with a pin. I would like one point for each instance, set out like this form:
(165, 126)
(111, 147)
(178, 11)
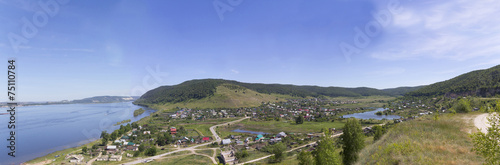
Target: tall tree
(352, 141)
(84, 149)
(278, 150)
(379, 131)
(299, 120)
(104, 135)
(325, 152)
(305, 158)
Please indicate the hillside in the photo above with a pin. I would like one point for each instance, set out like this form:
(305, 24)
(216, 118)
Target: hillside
(424, 141)
(207, 89)
(484, 83)
(400, 91)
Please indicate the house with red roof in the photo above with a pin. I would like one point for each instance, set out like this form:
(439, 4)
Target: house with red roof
(205, 139)
(173, 131)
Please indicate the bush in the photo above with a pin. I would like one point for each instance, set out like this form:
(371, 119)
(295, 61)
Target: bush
(137, 153)
(150, 151)
(241, 154)
(463, 106)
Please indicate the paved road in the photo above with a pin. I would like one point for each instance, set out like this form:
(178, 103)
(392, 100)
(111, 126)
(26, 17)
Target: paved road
(212, 129)
(481, 122)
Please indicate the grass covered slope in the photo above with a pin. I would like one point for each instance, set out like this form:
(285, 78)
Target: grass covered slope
(225, 96)
(424, 141)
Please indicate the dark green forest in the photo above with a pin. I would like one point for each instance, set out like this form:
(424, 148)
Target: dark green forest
(481, 83)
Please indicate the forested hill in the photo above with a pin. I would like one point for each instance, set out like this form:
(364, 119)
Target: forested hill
(484, 83)
(401, 90)
(105, 99)
(199, 89)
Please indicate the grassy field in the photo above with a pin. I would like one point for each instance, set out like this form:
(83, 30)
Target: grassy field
(226, 98)
(424, 141)
(209, 152)
(365, 101)
(279, 126)
(182, 159)
(254, 154)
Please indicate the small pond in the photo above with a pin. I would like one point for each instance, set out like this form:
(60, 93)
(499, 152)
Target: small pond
(371, 115)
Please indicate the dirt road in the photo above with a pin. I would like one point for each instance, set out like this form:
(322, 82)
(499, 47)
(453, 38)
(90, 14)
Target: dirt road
(481, 122)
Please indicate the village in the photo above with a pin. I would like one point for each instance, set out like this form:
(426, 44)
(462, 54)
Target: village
(183, 130)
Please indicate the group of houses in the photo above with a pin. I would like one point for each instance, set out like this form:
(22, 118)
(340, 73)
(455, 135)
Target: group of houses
(240, 140)
(309, 108)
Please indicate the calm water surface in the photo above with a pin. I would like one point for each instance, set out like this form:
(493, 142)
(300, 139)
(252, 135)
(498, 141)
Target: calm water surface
(371, 115)
(44, 129)
(250, 132)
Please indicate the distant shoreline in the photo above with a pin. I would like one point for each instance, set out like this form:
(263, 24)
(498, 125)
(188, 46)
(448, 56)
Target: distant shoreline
(25, 105)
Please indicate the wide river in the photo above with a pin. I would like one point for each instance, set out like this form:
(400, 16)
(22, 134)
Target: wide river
(43, 129)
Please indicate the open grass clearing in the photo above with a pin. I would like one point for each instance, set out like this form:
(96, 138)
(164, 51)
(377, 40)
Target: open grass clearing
(424, 141)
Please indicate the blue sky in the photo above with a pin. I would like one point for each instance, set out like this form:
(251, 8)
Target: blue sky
(90, 48)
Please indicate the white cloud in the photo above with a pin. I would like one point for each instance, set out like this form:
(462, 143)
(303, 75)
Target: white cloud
(452, 30)
(235, 71)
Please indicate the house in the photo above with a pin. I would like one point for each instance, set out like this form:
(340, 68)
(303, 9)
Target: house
(120, 141)
(132, 148)
(226, 141)
(116, 158)
(368, 130)
(125, 137)
(281, 134)
(259, 137)
(76, 159)
(147, 132)
(173, 130)
(111, 147)
(248, 139)
(275, 140)
(228, 156)
(205, 139)
(129, 144)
